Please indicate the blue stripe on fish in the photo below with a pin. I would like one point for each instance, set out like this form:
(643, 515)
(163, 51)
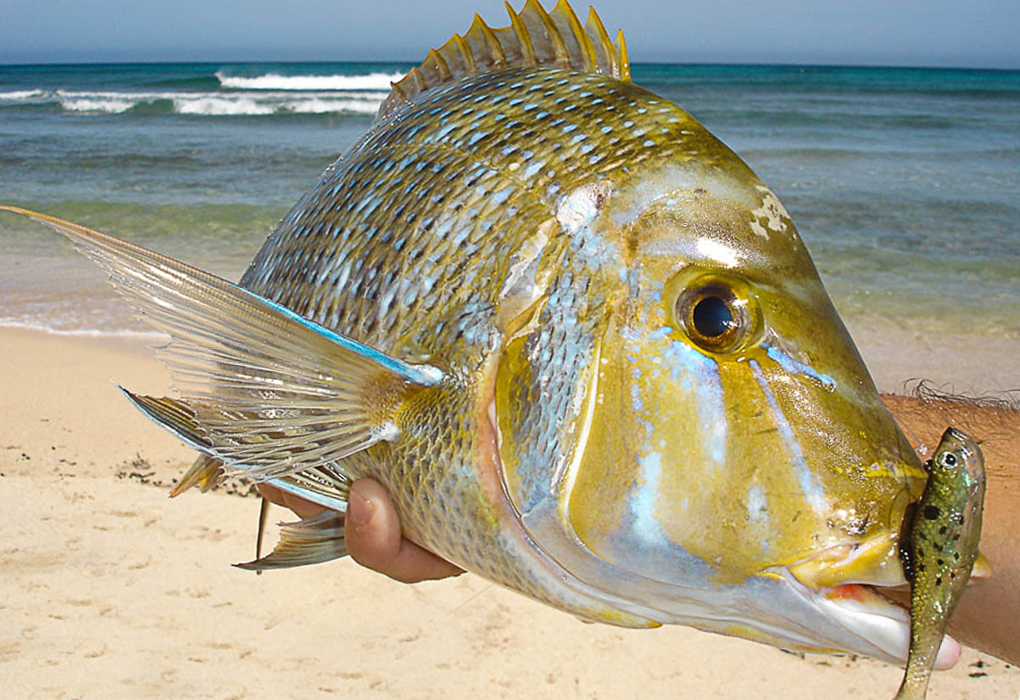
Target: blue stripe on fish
(791, 365)
(813, 491)
(423, 375)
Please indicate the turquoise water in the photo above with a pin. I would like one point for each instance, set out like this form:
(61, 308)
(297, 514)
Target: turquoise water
(905, 183)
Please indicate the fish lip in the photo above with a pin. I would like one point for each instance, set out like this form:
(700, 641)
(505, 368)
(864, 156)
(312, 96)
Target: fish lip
(879, 624)
(874, 562)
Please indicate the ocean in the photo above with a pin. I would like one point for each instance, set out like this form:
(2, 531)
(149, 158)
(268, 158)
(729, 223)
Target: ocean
(904, 183)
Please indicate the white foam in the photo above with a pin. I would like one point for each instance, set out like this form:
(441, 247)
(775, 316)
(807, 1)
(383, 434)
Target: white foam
(333, 106)
(106, 106)
(101, 102)
(225, 104)
(148, 336)
(257, 102)
(240, 105)
(273, 81)
(21, 95)
(222, 107)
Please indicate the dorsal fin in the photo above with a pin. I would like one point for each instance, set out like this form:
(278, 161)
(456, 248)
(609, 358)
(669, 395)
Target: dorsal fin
(534, 38)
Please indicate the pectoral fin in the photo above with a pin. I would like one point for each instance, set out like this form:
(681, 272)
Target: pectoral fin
(174, 415)
(272, 393)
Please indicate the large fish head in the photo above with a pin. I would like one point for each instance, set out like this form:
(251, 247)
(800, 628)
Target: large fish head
(734, 466)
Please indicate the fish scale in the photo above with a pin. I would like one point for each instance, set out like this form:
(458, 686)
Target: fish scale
(495, 304)
(388, 156)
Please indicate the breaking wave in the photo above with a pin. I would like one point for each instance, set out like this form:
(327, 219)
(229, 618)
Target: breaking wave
(211, 104)
(265, 95)
(274, 81)
(16, 95)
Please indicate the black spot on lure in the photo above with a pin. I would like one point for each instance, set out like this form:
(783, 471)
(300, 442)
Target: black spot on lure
(940, 552)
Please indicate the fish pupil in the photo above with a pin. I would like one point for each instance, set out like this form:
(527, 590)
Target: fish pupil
(712, 317)
(949, 459)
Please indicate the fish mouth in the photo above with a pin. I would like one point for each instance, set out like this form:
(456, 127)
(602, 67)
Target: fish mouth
(850, 584)
(874, 622)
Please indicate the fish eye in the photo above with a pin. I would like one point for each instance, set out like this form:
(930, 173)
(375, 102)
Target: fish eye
(949, 459)
(714, 315)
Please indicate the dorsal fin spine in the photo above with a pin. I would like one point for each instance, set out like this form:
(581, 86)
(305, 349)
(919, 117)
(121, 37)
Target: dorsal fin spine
(558, 45)
(535, 38)
(498, 57)
(465, 51)
(419, 81)
(523, 37)
(621, 48)
(597, 31)
(565, 11)
(441, 66)
(397, 92)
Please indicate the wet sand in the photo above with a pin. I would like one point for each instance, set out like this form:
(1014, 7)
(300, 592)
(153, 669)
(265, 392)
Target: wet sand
(110, 590)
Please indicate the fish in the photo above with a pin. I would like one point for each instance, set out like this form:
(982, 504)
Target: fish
(574, 335)
(941, 550)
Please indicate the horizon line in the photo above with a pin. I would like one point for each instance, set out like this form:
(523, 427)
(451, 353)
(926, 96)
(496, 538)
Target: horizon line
(412, 63)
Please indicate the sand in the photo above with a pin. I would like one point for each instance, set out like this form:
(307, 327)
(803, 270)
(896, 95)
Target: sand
(110, 590)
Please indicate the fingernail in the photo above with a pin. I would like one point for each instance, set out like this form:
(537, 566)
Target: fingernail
(359, 509)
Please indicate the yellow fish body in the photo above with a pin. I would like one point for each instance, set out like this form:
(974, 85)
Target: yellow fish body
(576, 337)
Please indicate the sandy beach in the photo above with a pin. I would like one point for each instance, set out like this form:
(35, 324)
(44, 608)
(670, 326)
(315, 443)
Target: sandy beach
(110, 590)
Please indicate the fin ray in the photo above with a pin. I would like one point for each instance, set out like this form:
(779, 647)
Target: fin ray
(311, 541)
(581, 53)
(556, 43)
(609, 60)
(271, 393)
(535, 37)
(522, 37)
(326, 484)
(205, 473)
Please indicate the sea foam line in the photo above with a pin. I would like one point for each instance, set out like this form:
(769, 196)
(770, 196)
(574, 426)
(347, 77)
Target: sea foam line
(273, 81)
(19, 95)
(218, 104)
(147, 336)
(240, 103)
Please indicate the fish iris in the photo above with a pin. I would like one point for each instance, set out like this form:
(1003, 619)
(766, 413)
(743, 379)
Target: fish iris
(714, 315)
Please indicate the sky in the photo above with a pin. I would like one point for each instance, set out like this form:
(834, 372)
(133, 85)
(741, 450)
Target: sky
(941, 33)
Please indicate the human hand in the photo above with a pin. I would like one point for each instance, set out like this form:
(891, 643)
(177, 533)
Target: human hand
(372, 533)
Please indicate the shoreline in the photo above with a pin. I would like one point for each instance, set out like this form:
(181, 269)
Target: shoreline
(112, 590)
(969, 366)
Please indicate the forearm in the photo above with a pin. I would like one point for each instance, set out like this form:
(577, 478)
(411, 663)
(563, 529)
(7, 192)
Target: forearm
(988, 618)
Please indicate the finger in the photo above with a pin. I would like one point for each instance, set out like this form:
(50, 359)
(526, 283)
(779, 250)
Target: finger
(302, 508)
(373, 537)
